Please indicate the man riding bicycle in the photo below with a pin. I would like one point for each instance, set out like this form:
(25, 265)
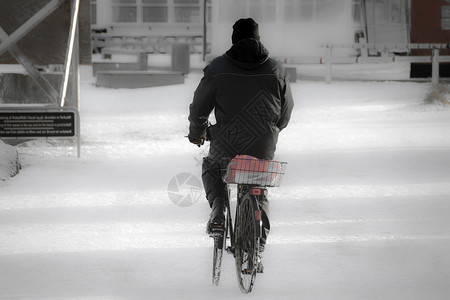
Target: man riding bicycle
(252, 102)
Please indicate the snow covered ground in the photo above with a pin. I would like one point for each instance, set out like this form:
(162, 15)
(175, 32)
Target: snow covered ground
(9, 161)
(363, 211)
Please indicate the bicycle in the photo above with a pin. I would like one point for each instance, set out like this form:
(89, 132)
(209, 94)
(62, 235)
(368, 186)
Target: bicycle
(252, 177)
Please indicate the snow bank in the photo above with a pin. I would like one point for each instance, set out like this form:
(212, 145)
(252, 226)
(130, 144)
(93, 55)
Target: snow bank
(439, 94)
(9, 161)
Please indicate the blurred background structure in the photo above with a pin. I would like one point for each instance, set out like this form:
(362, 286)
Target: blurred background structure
(291, 29)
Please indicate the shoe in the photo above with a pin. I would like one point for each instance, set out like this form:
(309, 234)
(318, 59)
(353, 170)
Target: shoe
(216, 223)
(215, 228)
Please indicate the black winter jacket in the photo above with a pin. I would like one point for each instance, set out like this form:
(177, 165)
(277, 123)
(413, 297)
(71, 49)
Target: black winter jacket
(251, 96)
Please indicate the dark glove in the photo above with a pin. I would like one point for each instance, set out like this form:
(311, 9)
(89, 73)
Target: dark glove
(197, 141)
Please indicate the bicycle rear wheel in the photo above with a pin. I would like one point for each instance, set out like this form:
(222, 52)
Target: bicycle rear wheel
(247, 243)
(219, 247)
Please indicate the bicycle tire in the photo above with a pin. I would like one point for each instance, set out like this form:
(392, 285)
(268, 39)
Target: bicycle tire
(247, 243)
(219, 248)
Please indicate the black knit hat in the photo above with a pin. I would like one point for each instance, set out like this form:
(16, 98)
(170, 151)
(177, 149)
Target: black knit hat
(244, 29)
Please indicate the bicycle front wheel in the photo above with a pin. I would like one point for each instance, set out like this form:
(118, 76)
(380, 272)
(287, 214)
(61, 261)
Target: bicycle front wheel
(247, 243)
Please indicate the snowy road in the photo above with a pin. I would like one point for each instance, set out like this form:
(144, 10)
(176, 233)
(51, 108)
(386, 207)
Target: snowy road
(363, 212)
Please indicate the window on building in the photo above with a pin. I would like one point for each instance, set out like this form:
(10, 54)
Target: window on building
(159, 11)
(299, 10)
(357, 13)
(231, 10)
(124, 11)
(380, 11)
(328, 11)
(289, 10)
(395, 12)
(208, 11)
(187, 11)
(306, 10)
(445, 14)
(263, 10)
(386, 11)
(93, 12)
(155, 11)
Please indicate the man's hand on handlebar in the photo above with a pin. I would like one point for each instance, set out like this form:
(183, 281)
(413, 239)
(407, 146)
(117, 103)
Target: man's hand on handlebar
(199, 142)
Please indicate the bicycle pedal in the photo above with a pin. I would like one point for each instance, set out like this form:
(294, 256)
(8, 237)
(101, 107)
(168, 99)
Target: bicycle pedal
(215, 230)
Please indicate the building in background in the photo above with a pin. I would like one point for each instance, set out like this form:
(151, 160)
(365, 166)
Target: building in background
(154, 24)
(430, 23)
(289, 28)
(298, 28)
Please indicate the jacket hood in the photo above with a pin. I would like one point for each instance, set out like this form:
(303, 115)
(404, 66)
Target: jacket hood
(248, 53)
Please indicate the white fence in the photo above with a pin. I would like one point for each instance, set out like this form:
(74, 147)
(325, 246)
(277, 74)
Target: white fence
(328, 59)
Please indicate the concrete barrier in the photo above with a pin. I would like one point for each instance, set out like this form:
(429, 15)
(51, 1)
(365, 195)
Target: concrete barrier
(138, 79)
(111, 66)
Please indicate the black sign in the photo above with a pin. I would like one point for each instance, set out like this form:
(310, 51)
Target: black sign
(37, 124)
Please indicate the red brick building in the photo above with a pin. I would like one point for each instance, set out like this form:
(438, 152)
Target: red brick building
(430, 23)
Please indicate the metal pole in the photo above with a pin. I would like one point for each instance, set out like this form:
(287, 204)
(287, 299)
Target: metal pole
(408, 21)
(364, 9)
(205, 20)
(435, 68)
(328, 65)
(69, 54)
(74, 81)
(76, 87)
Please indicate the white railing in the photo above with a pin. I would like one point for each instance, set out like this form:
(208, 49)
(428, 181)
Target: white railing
(434, 59)
(328, 59)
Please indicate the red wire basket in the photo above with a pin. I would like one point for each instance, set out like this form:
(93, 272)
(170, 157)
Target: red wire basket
(244, 169)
